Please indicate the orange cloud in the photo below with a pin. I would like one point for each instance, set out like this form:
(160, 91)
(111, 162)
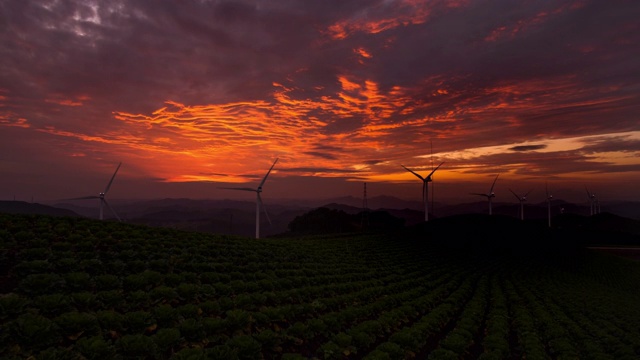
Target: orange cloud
(20, 122)
(362, 52)
(379, 19)
(328, 136)
(301, 130)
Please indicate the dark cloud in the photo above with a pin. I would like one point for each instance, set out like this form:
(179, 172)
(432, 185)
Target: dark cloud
(524, 148)
(319, 170)
(327, 151)
(321, 155)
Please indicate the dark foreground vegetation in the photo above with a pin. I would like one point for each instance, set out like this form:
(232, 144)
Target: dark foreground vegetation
(72, 288)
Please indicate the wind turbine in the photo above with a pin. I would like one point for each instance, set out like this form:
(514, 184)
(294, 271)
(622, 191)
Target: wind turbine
(490, 195)
(592, 201)
(521, 199)
(259, 203)
(101, 196)
(549, 198)
(425, 188)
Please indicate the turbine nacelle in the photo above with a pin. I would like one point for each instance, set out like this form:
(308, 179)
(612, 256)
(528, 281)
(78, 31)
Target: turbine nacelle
(259, 203)
(490, 194)
(521, 198)
(593, 201)
(425, 192)
(101, 196)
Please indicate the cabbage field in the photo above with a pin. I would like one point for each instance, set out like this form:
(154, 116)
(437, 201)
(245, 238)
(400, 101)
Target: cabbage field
(74, 288)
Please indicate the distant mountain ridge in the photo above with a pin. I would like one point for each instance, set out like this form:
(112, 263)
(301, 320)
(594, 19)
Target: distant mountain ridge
(237, 217)
(22, 207)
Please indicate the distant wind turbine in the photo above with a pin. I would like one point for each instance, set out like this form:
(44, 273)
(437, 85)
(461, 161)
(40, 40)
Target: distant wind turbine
(425, 188)
(549, 198)
(101, 196)
(592, 201)
(490, 195)
(259, 203)
(521, 199)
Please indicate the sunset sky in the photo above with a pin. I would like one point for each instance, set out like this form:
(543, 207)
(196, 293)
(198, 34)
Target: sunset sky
(192, 96)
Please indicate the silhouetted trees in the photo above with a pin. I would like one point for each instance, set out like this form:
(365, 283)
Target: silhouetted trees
(330, 221)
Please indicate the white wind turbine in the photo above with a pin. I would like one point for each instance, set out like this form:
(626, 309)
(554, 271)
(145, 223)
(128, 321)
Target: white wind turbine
(549, 198)
(101, 196)
(490, 195)
(521, 199)
(259, 203)
(592, 201)
(425, 188)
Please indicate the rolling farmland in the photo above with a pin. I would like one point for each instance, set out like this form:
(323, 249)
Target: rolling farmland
(72, 288)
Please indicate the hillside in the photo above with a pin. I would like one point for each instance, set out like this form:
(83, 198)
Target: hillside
(22, 207)
(80, 288)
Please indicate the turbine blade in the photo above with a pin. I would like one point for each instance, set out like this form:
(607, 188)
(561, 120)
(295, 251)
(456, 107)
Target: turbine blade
(263, 208)
(514, 194)
(413, 172)
(268, 172)
(590, 195)
(494, 183)
(113, 177)
(110, 208)
(528, 192)
(434, 170)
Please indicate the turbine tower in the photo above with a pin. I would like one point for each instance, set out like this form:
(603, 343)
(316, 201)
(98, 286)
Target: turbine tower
(259, 203)
(521, 199)
(364, 220)
(592, 201)
(425, 188)
(490, 195)
(101, 196)
(549, 198)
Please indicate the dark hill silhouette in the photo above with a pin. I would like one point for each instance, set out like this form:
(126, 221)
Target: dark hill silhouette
(610, 222)
(349, 209)
(325, 220)
(22, 207)
(568, 231)
(410, 216)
